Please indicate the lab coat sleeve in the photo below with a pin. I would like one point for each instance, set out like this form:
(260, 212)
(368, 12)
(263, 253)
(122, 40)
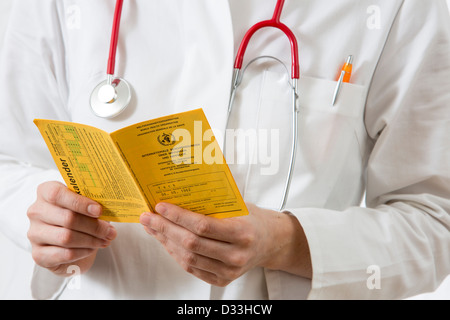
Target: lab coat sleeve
(399, 245)
(32, 85)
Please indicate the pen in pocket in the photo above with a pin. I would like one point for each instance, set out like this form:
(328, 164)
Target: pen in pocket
(345, 76)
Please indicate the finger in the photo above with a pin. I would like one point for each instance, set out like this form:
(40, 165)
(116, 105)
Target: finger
(191, 261)
(218, 229)
(210, 277)
(59, 195)
(205, 268)
(51, 256)
(44, 234)
(56, 216)
(163, 229)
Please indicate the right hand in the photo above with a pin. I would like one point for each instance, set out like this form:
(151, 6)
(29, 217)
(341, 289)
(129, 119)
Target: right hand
(65, 229)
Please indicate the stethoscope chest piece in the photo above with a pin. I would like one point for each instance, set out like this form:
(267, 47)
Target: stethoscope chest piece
(110, 98)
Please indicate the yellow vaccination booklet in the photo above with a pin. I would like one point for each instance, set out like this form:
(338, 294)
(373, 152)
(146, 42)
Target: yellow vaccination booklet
(173, 159)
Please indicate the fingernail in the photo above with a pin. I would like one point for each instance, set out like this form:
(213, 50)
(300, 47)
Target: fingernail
(105, 244)
(95, 210)
(161, 208)
(145, 219)
(111, 233)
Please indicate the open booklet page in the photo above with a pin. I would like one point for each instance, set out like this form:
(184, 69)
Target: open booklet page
(176, 159)
(173, 159)
(91, 166)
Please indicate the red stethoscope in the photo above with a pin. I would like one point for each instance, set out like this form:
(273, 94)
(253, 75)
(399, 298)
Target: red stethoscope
(113, 95)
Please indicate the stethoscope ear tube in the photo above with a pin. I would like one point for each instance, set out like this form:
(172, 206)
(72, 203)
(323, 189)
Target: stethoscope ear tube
(295, 76)
(295, 111)
(272, 23)
(236, 81)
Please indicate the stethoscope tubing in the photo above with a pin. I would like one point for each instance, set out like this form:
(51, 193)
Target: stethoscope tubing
(120, 90)
(272, 23)
(114, 38)
(295, 75)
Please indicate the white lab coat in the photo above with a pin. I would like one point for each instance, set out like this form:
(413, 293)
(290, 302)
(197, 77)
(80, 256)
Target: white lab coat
(388, 136)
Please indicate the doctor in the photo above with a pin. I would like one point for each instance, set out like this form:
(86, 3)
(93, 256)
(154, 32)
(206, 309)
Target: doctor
(387, 136)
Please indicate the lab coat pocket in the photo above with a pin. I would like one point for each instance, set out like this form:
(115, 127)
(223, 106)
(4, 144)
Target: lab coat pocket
(329, 168)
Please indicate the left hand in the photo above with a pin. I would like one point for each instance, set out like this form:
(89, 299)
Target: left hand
(219, 251)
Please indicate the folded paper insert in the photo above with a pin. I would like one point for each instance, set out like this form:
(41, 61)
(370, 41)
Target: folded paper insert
(173, 159)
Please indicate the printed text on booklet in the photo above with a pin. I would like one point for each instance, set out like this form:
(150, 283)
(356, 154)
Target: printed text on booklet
(131, 170)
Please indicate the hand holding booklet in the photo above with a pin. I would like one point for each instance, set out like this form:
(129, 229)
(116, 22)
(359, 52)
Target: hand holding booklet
(173, 159)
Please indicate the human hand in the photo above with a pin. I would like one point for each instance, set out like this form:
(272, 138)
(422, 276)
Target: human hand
(65, 229)
(219, 251)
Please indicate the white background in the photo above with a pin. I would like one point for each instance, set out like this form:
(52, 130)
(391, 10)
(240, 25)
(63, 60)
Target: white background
(16, 265)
